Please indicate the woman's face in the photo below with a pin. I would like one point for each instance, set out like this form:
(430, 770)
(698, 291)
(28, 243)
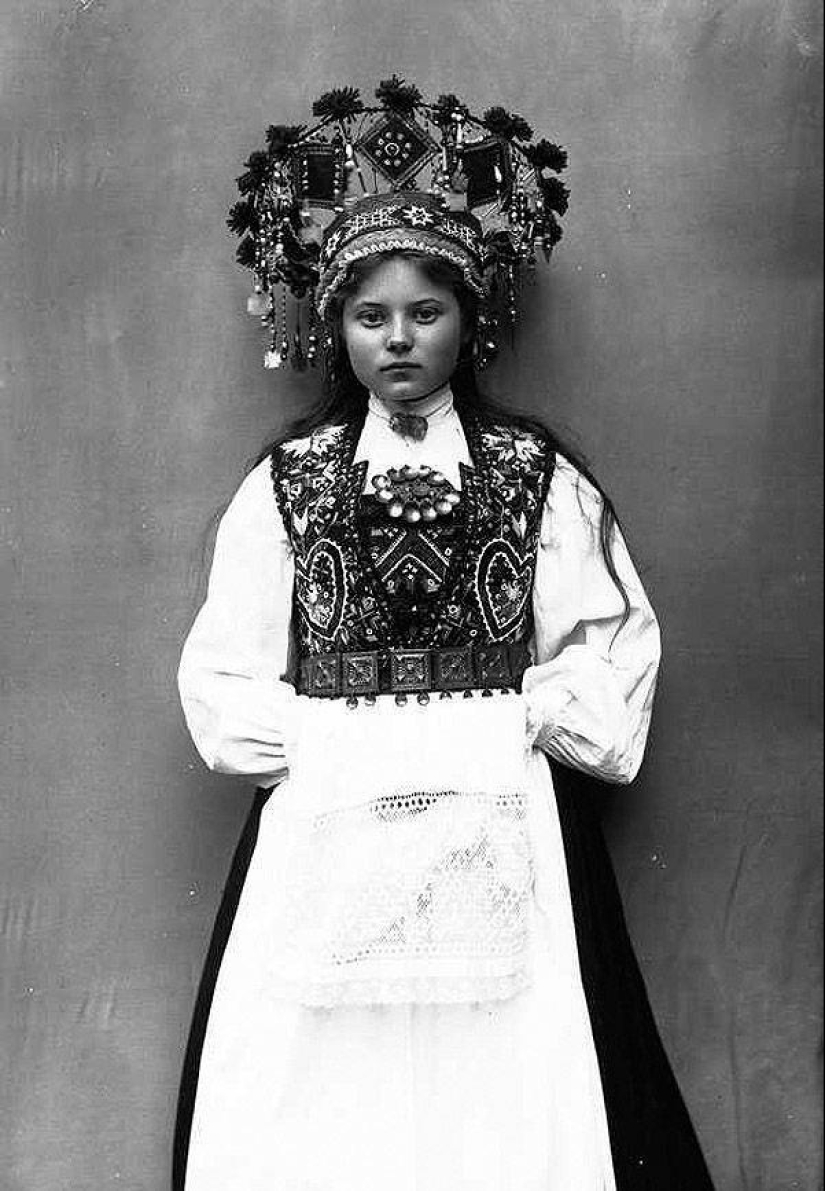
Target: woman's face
(403, 332)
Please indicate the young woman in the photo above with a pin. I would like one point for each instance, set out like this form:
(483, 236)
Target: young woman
(422, 623)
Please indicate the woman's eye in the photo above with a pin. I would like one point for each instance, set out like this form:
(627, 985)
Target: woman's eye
(427, 314)
(370, 318)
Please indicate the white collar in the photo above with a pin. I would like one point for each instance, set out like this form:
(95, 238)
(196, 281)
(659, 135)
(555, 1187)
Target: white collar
(443, 448)
(435, 407)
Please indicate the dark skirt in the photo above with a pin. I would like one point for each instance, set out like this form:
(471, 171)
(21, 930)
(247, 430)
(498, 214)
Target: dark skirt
(652, 1140)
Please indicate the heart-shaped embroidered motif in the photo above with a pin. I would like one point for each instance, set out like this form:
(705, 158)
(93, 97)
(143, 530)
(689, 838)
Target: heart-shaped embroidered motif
(321, 588)
(503, 580)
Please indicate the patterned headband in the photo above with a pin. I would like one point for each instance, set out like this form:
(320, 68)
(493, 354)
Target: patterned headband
(406, 175)
(407, 221)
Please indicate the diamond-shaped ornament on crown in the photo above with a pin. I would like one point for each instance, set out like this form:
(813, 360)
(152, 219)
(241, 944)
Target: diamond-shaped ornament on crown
(398, 148)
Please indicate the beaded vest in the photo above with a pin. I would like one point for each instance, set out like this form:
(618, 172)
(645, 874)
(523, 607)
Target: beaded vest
(364, 582)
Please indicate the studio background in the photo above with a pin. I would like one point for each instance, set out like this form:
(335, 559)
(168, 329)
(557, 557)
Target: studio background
(677, 335)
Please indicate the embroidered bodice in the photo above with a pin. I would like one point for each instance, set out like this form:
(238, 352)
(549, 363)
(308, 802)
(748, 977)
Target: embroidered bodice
(363, 580)
(411, 563)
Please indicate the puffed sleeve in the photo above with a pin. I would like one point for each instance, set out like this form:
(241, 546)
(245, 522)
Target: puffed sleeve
(240, 712)
(590, 693)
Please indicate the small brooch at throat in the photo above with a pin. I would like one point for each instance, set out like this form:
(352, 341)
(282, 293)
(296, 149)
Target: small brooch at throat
(415, 493)
(409, 426)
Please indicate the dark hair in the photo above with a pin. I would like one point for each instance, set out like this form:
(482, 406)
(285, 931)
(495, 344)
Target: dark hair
(345, 398)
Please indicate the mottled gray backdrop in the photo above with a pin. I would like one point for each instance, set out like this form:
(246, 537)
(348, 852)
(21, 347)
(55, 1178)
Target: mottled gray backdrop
(678, 337)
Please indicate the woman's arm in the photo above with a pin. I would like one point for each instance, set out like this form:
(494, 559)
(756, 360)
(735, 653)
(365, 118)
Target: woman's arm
(589, 695)
(239, 710)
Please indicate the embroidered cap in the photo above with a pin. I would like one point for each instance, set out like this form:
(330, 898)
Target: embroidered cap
(408, 221)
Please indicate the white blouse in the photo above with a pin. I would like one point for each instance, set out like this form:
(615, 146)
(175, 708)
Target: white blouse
(588, 696)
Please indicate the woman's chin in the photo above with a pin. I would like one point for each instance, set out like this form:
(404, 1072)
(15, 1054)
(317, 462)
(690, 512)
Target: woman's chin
(404, 388)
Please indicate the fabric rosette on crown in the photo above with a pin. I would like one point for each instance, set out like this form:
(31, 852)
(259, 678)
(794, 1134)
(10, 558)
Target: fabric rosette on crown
(403, 174)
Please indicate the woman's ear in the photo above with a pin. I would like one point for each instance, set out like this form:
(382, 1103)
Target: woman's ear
(469, 328)
(466, 351)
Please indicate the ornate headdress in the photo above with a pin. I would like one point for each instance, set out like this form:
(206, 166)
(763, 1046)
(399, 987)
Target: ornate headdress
(405, 174)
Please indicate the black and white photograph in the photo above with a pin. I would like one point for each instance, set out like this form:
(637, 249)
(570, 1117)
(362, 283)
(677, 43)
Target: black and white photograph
(412, 595)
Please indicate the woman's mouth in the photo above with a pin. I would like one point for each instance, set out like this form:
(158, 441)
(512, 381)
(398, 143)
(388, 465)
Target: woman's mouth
(399, 367)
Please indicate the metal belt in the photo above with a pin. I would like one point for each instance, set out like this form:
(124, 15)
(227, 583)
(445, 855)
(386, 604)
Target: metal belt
(350, 673)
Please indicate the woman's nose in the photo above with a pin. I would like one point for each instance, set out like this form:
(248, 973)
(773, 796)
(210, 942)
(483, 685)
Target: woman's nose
(398, 335)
